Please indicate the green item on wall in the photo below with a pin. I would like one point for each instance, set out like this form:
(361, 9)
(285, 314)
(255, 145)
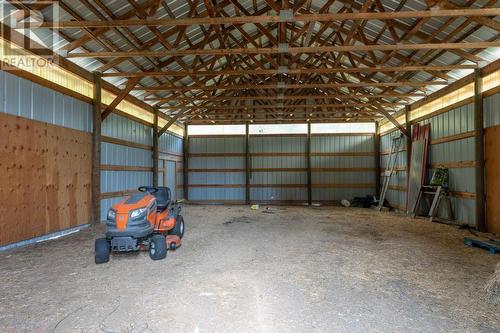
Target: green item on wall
(440, 177)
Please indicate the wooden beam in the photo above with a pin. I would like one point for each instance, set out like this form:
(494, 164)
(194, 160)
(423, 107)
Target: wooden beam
(291, 50)
(120, 97)
(248, 164)
(408, 138)
(155, 148)
(185, 149)
(171, 122)
(309, 176)
(479, 151)
(376, 147)
(294, 71)
(238, 20)
(394, 121)
(284, 97)
(96, 151)
(259, 86)
(276, 106)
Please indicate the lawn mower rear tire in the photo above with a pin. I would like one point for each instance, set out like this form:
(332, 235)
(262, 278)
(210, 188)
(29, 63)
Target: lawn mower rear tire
(101, 251)
(178, 229)
(158, 247)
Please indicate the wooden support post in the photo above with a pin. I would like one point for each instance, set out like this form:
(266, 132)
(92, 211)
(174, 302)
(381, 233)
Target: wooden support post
(96, 151)
(408, 142)
(155, 148)
(248, 163)
(185, 144)
(309, 177)
(376, 141)
(479, 151)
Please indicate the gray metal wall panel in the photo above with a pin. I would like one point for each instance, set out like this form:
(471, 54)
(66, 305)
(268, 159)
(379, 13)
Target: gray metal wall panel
(279, 162)
(492, 110)
(217, 162)
(23, 98)
(327, 194)
(278, 194)
(122, 155)
(229, 144)
(454, 122)
(342, 144)
(115, 181)
(125, 129)
(170, 143)
(279, 145)
(215, 178)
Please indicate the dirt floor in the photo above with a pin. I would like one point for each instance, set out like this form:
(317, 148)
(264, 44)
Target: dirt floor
(284, 270)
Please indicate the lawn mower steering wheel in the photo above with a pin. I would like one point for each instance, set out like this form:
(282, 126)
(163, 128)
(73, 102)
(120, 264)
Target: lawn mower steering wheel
(148, 189)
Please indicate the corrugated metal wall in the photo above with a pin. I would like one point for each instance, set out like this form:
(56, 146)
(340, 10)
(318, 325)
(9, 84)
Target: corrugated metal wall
(452, 147)
(278, 168)
(115, 182)
(26, 99)
(396, 192)
(342, 166)
(171, 169)
(217, 168)
(451, 151)
(122, 128)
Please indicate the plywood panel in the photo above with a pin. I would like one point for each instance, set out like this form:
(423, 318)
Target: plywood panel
(45, 176)
(492, 155)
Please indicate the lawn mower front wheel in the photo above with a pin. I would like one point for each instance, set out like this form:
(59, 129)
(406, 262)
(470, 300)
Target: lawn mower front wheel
(101, 250)
(158, 247)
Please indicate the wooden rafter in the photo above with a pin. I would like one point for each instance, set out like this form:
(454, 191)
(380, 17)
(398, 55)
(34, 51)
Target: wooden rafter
(222, 53)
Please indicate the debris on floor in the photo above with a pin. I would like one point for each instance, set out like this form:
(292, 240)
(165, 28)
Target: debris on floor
(345, 203)
(239, 219)
(492, 288)
(254, 207)
(268, 210)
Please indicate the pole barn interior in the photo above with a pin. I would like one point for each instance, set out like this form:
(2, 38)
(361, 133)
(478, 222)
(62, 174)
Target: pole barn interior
(307, 165)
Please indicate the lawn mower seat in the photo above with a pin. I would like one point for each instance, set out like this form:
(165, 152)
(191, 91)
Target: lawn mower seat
(162, 198)
(161, 194)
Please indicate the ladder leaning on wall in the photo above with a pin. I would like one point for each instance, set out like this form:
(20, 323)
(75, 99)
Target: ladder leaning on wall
(390, 168)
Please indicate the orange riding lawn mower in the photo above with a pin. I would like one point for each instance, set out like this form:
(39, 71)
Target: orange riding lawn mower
(148, 221)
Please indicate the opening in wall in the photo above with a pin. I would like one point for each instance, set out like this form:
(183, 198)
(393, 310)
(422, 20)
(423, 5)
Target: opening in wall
(325, 128)
(278, 129)
(216, 129)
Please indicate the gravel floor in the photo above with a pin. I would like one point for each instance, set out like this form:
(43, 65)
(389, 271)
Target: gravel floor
(283, 270)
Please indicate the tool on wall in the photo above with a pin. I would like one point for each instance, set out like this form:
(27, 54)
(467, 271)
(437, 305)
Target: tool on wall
(390, 168)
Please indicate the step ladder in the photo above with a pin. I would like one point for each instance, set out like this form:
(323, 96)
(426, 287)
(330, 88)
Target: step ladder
(439, 195)
(390, 168)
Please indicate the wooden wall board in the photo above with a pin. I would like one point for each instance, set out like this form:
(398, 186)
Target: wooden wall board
(45, 175)
(492, 157)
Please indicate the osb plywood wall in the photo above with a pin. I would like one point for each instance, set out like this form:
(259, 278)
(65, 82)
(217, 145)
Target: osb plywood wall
(45, 174)
(492, 156)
